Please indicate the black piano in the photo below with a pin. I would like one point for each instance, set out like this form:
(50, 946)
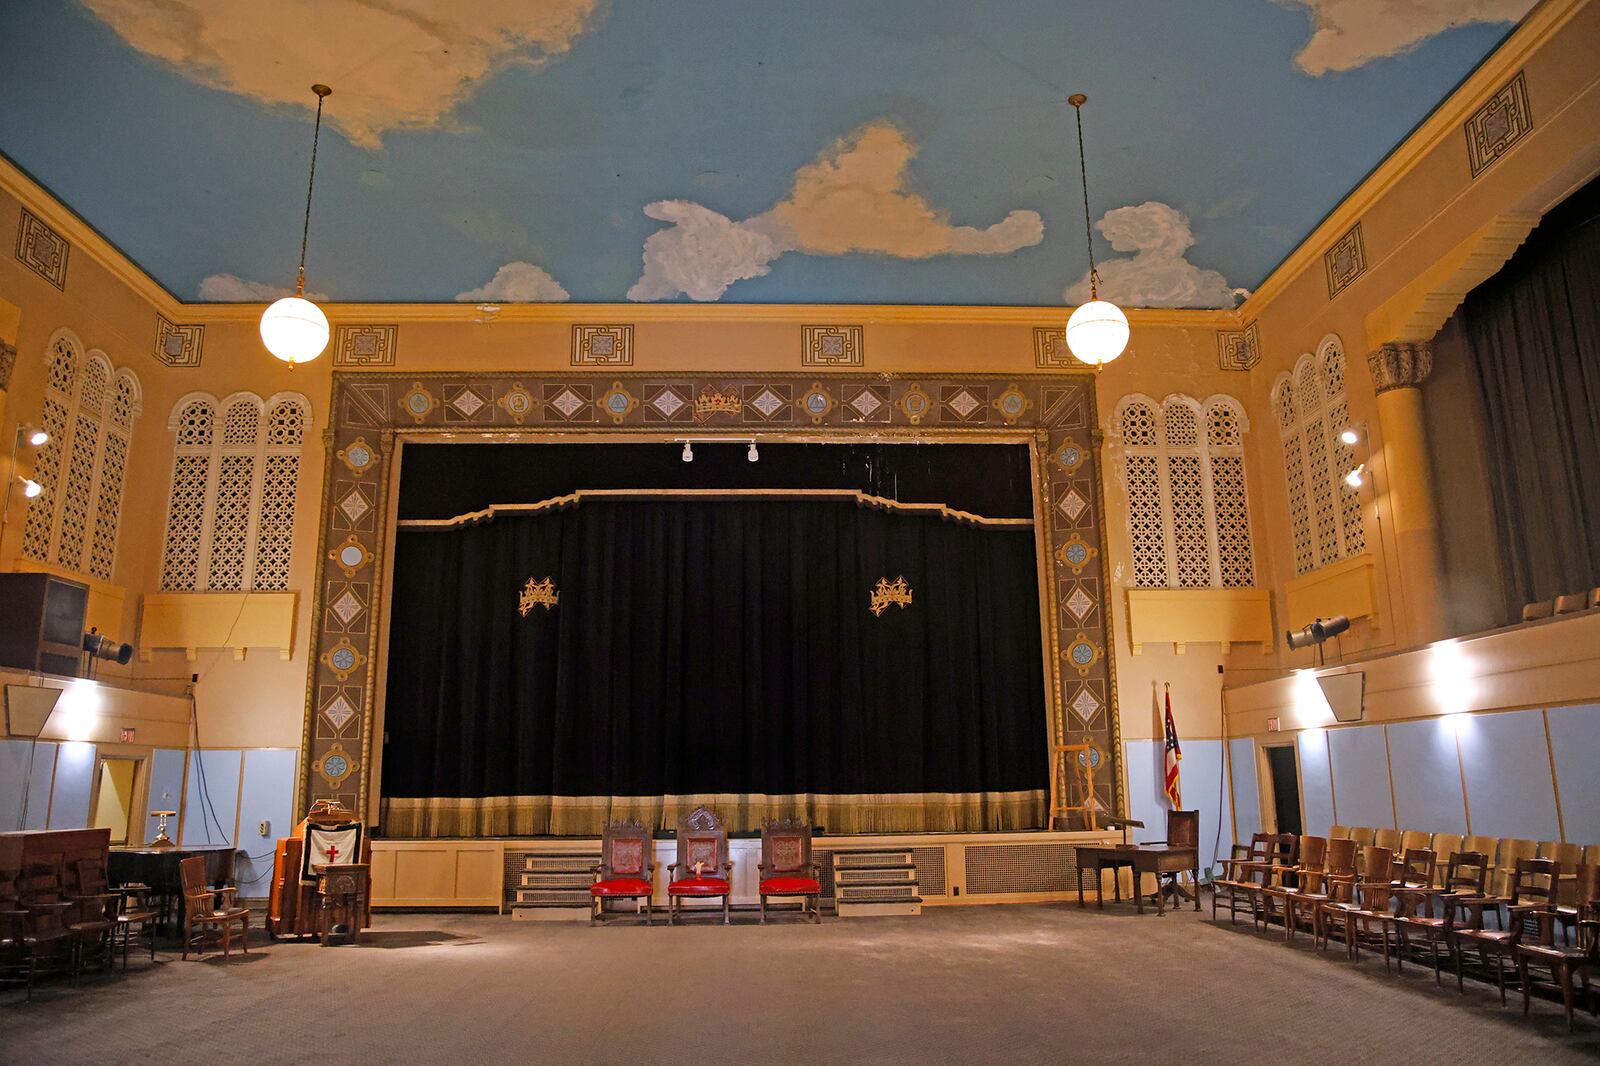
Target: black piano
(158, 869)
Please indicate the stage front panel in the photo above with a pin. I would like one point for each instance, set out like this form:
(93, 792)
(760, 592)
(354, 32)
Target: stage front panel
(632, 657)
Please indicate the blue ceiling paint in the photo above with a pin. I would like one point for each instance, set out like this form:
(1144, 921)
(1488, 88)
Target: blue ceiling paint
(719, 102)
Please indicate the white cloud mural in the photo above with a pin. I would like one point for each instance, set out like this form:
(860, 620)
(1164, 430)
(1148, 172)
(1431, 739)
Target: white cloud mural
(230, 288)
(392, 65)
(1157, 274)
(1350, 33)
(517, 283)
(852, 198)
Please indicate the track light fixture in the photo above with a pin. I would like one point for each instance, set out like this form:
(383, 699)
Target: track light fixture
(753, 455)
(688, 452)
(1317, 632)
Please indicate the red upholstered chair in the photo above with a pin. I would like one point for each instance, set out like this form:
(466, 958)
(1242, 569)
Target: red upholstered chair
(786, 868)
(625, 869)
(703, 869)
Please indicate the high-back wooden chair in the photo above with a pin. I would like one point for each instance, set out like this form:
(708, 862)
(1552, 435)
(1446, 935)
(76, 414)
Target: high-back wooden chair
(1568, 858)
(1279, 895)
(1512, 851)
(1533, 889)
(87, 886)
(626, 869)
(209, 912)
(1488, 846)
(786, 867)
(1387, 838)
(1462, 877)
(44, 891)
(1415, 869)
(1415, 838)
(1229, 882)
(1338, 864)
(703, 869)
(1445, 845)
(1332, 914)
(1338, 832)
(34, 938)
(1363, 836)
(1579, 956)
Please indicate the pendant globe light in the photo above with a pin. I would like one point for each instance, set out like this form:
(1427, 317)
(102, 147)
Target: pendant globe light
(1097, 332)
(294, 329)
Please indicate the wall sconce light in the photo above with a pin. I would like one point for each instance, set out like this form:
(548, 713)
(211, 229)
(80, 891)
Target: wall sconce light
(1357, 477)
(1350, 436)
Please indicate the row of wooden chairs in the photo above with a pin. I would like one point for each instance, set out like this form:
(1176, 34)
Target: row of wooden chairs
(1503, 852)
(65, 919)
(1365, 897)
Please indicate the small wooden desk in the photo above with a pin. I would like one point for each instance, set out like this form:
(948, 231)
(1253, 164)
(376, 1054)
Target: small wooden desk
(342, 891)
(1141, 859)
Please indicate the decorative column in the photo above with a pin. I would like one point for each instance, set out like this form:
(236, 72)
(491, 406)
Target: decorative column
(1398, 370)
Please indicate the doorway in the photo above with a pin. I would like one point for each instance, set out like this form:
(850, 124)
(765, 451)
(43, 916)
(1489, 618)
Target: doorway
(113, 805)
(1285, 775)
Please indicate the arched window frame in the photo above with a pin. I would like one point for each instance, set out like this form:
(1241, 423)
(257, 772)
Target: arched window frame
(89, 409)
(230, 504)
(1310, 408)
(1188, 504)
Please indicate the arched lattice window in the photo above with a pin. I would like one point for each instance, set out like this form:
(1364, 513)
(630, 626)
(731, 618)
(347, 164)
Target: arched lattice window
(89, 410)
(1324, 512)
(235, 468)
(1188, 513)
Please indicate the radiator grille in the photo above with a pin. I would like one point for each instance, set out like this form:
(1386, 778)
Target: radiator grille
(1004, 868)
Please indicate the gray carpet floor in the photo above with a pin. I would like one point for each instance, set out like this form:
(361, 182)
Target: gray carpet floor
(1009, 984)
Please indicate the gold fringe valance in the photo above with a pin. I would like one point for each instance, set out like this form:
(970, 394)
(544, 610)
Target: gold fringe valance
(556, 503)
(511, 816)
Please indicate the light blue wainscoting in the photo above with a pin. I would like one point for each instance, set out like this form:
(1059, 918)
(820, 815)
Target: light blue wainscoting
(1200, 779)
(1575, 740)
(1246, 796)
(1316, 786)
(211, 799)
(1507, 764)
(266, 795)
(166, 789)
(69, 802)
(1361, 776)
(15, 778)
(1427, 776)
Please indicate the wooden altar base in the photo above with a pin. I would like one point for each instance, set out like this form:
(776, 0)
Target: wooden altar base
(953, 869)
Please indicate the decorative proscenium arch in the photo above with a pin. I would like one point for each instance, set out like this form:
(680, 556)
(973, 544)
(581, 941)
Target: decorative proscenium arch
(372, 413)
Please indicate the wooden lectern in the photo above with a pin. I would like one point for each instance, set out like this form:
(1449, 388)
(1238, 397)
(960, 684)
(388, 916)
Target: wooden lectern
(295, 908)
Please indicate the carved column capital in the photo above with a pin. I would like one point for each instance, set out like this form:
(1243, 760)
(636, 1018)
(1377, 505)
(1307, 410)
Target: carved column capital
(1400, 365)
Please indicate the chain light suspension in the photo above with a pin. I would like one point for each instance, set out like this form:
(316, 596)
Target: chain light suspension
(294, 329)
(1097, 332)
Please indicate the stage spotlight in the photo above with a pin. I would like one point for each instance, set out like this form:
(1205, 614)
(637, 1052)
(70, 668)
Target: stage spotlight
(688, 452)
(1349, 436)
(753, 455)
(103, 647)
(1354, 478)
(1317, 632)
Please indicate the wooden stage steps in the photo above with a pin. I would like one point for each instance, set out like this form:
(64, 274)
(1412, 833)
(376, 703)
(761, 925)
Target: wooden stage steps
(555, 886)
(871, 882)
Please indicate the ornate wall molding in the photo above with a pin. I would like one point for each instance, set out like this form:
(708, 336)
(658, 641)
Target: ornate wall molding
(831, 346)
(372, 412)
(1498, 125)
(365, 345)
(1238, 349)
(1050, 349)
(1345, 261)
(1401, 365)
(602, 345)
(178, 346)
(42, 250)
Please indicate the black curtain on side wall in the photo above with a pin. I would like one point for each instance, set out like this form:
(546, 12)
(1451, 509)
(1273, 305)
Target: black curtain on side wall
(714, 649)
(1534, 333)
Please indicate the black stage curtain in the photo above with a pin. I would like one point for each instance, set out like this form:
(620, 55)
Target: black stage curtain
(1534, 333)
(716, 651)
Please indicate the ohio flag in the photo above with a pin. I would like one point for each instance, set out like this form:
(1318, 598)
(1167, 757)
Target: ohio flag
(1173, 757)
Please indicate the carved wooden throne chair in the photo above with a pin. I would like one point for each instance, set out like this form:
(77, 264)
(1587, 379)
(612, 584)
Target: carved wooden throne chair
(703, 869)
(786, 867)
(625, 870)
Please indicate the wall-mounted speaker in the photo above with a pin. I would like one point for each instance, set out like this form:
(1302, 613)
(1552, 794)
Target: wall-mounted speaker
(41, 627)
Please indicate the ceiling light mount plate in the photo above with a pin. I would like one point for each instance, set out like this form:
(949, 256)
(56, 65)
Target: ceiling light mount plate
(1077, 99)
(322, 90)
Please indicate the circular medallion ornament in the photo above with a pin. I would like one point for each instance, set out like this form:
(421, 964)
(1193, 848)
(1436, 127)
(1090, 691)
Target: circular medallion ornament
(350, 556)
(357, 455)
(418, 402)
(517, 402)
(1083, 653)
(914, 403)
(1089, 758)
(1069, 456)
(343, 659)
(618, 402)
(1076, 553)
(1012, 404)
(817, 402)
(335, 765)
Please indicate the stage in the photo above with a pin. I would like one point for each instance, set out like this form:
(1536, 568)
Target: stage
(953, 868)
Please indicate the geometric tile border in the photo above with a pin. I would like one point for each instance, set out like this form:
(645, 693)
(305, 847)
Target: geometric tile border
(373, 411)
(602, 345)
(831, 346)
(1345, 261)
(365, 345)
(178, 346)
(1500, 123)
(1238, 349)
(42, 249)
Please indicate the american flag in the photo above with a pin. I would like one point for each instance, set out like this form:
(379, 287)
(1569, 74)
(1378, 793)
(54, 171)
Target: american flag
(1174, 756)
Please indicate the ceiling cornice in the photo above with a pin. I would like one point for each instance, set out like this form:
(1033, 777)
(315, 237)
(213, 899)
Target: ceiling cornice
(1444, 121)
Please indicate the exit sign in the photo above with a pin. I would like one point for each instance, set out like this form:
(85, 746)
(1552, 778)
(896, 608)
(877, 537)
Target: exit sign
(128, 735)
(1273, 726)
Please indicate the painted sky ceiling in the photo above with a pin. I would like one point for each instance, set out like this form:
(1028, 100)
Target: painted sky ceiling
(849, 151)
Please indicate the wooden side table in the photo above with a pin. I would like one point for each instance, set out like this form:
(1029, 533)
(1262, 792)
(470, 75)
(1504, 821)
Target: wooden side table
(341, 893)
